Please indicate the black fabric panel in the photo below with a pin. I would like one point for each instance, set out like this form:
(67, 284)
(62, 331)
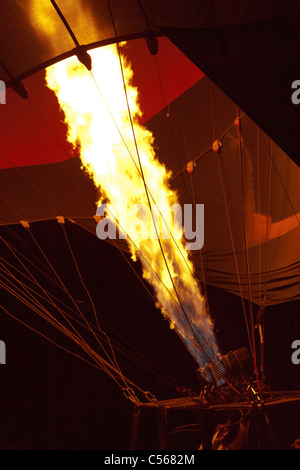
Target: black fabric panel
(255, 66)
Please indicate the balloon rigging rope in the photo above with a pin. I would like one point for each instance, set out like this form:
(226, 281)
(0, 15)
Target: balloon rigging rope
(20, 254)
(30, 182)
(230, 229)
(17, 293)
(64, 287)
(107, 338)
(179, 160)
(92, 305)
(208, 150)
(31, 300)
(200, 251)
(48, 294)
(32, 279)
(54, 321)
(169, 121)
(191, 182)
(99, 362)
(258, 208)
(144, 286)
(272, 164)
(246, 251)
(53, 270)
(233, 248)
(244, 226)
(47, 337)
(72, 326)
(39, 115)
(180, 164)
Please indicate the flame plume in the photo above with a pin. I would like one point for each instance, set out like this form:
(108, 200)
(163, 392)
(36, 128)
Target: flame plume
(96, 112)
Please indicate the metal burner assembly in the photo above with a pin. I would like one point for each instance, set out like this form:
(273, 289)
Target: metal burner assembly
(229, 379)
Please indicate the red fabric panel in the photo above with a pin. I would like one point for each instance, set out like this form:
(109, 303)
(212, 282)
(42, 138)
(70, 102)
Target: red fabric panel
(28, 138)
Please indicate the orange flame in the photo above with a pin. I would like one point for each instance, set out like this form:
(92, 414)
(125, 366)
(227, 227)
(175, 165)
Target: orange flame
(118, 153)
